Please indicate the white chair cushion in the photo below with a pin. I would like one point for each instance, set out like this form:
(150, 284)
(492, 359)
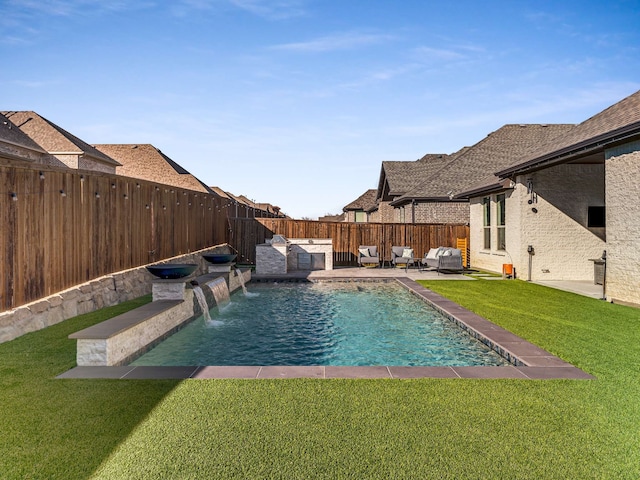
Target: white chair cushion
(432, 253)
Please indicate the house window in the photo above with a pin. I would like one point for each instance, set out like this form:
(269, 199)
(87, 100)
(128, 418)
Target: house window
(500, 205)
(361, 216)
(486, 215)
(596, 217)
(401, 214)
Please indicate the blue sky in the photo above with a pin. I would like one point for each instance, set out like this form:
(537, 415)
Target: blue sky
(297, 102)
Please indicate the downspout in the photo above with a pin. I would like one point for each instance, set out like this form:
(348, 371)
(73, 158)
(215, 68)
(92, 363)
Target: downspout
(531, 252)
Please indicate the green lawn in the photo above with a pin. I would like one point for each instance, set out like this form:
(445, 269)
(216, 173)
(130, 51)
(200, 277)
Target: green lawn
(360, 429)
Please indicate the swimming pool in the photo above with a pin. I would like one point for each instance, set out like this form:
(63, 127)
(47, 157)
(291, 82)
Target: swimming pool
(332, 323)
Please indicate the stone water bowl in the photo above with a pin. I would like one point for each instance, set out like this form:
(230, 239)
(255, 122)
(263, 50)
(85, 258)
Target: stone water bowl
(219, 258)
(172, 270)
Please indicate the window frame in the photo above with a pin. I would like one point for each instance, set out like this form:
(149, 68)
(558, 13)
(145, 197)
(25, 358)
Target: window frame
(486, 222)
(501, 221)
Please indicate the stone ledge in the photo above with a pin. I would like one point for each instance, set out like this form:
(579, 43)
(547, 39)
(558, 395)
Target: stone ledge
(116, 325)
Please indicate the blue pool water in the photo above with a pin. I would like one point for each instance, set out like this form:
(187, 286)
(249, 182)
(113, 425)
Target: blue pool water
(323, 324)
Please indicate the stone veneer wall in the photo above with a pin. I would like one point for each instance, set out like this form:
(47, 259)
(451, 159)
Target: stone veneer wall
(102, 292)
(120, 349)
(128, 344)
(271, 259)
(622, 167)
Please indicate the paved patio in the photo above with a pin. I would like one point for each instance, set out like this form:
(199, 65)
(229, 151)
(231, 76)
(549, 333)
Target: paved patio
(585, 288)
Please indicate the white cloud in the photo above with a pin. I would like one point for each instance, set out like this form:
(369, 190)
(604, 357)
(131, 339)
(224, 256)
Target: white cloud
(269, 9)
(439, 53)
(342, 41)
(72, 7)
(276, 10)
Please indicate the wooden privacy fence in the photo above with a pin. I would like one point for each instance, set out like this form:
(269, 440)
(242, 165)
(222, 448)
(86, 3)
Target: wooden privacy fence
(347, 237)
(60, 228)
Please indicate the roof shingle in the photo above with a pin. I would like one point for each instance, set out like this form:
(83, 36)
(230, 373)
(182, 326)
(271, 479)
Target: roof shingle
(475, 164)
(623, 115)
(54, 139)
(146, 162)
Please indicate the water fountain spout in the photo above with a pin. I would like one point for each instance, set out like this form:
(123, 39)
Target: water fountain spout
(202, 301)
(241, 278)
(220, 291)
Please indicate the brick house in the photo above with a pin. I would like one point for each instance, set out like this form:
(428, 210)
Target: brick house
(398, 178)
(435, 200)
(62, 148)
(146, 162)
(568, 201)
(360, 209)
(17, 147)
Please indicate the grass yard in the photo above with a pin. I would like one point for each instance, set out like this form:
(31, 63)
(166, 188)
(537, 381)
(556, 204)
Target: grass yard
(360, 429)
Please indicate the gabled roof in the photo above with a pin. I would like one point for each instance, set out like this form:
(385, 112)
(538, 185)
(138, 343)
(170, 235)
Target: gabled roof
(396, 178)
(619, 121)
(246, 200)
(146, 162)
(54, 139)
(220, 192)
(332, 218)
(238, 199)
(476, 163)
(12, 135)
(365, 202)
(267, 207)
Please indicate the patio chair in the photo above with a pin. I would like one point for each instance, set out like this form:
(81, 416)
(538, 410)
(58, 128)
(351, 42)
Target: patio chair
(401, 256)
(368, 256)
(443, 258)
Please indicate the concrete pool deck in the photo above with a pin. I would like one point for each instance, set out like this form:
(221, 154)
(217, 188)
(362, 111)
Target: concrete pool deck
(529, 361)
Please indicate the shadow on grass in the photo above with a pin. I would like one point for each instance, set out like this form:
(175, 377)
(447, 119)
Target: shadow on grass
(56, 428)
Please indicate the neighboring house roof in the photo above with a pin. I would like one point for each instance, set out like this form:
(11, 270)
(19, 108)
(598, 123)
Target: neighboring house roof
(365, 202)
(245, 200)
(332, 218)
(10, 134)
(615, 124)
(475, 164)
(239, 199)
(396, 178)
(146, 162)
(54, 139)
(220, 192)
(267, 207)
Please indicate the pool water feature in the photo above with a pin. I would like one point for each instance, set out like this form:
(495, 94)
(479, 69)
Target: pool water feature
(241, 279)
(220, 291)
(323, 324)
(202, 301)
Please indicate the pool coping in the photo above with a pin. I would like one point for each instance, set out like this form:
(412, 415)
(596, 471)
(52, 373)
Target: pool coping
(529, 362)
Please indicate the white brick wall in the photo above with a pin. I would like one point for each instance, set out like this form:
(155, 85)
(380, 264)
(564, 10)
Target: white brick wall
(558, 231)
(623, 223)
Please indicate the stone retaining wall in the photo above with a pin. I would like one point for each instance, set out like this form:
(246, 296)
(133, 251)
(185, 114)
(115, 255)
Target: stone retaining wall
(96, 294)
